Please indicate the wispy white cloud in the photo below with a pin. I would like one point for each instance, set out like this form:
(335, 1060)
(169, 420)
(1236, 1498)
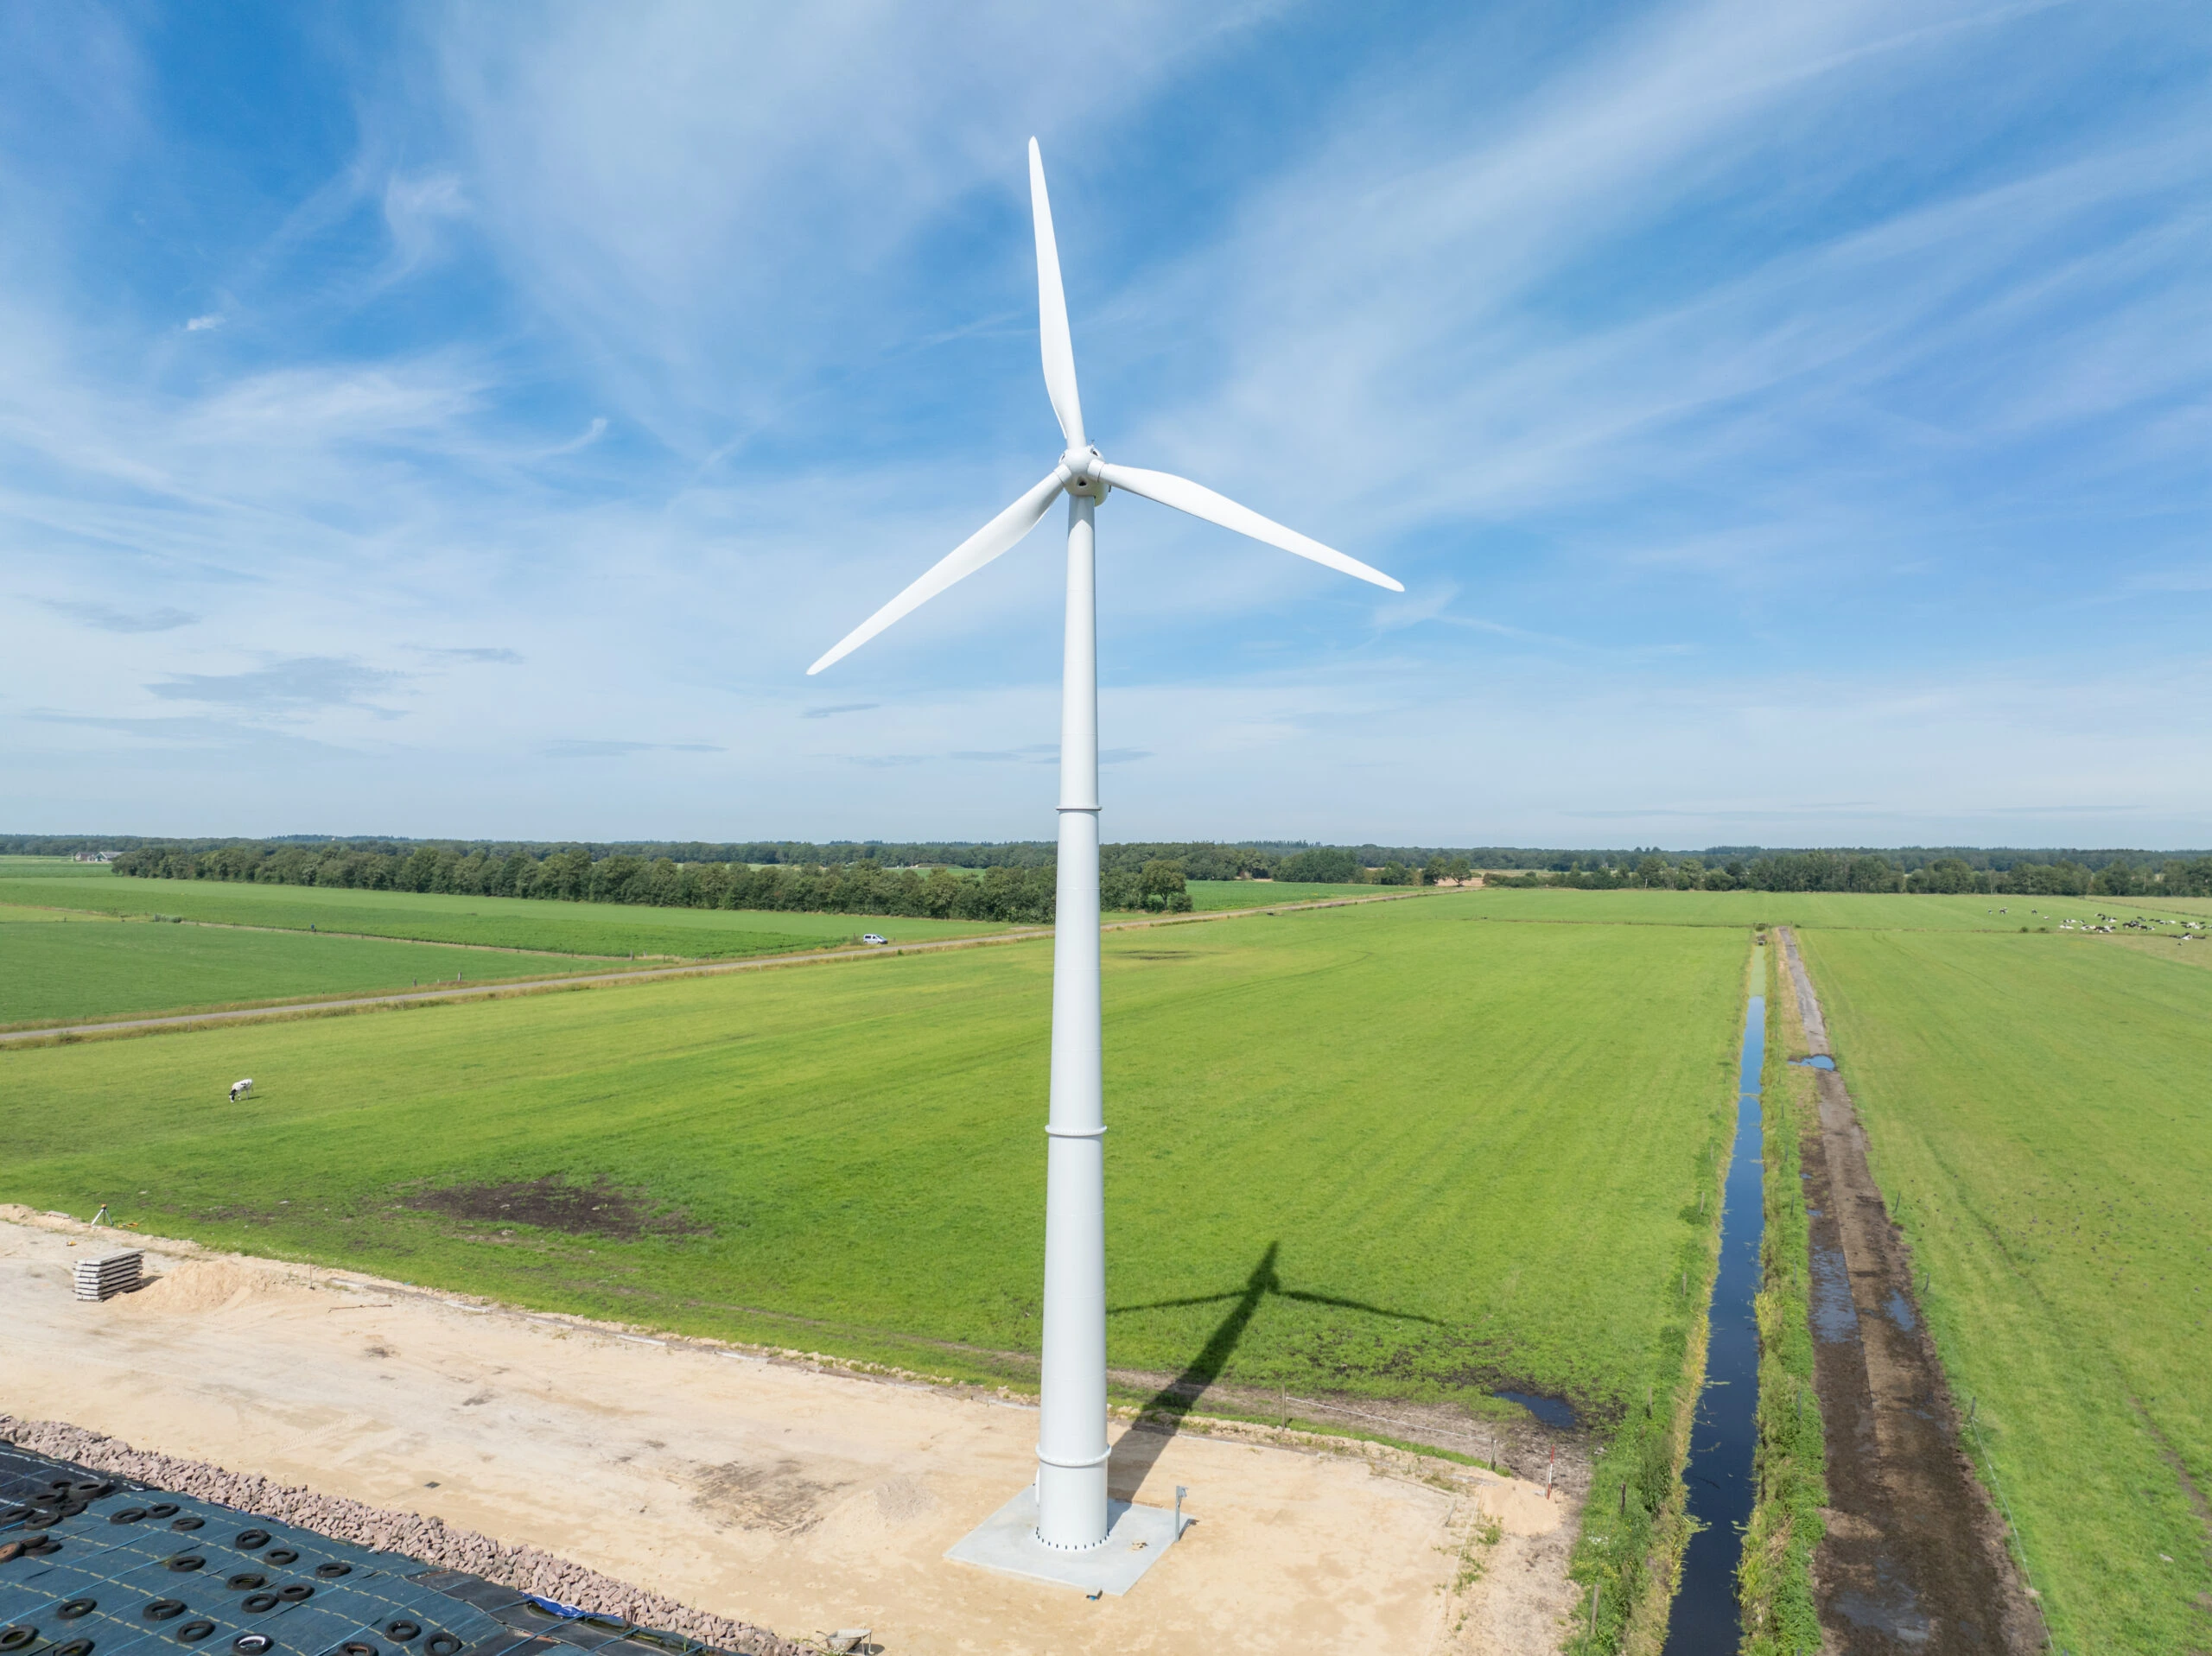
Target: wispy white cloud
(1730, 384)
(475, 654)
(710, 200)
(111, 618)
(418, 209)
(1462, 385)
(284, 686)
(578, 749)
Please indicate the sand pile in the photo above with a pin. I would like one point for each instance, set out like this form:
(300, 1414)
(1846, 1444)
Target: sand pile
(197, 1285)
(428, 1539)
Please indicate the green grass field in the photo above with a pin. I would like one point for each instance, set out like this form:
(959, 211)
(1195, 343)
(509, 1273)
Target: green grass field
(57, 968)
(2038, 1111)
(604, 929)
(54, 868)
(1405, 1154)
(1828, 909)
(1211, 896)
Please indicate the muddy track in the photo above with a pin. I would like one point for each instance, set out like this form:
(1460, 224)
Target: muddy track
(1915, 1558)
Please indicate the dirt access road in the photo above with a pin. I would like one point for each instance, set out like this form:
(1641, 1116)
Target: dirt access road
(1915, 1556)
(774, 1492)
(52, 1032)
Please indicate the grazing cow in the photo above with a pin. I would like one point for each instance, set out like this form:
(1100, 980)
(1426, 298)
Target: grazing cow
(240, 1088)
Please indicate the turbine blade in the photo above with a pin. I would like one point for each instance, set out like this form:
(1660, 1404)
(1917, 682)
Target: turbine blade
(1202, 502)
(1052, 309)
(1001, 535)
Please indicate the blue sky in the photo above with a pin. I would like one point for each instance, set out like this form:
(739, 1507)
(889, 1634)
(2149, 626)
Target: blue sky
(1790, 422)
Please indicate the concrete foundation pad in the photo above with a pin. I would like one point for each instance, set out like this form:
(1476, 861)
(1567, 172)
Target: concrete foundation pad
(1006, 1542)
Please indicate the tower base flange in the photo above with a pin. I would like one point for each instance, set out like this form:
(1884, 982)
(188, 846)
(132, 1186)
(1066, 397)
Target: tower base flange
(1006, 1542)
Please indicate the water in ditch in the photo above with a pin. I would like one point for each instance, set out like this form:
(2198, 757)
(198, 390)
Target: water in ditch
(1705, 1617)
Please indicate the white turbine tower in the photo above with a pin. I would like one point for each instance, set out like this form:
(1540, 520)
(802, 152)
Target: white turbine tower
(1072, 1449)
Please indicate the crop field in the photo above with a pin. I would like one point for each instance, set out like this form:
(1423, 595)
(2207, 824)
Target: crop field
(1828, 910)
(1211, 896)
(602, 929)
(57, 968)
(2037, 1112)
(1377, 1150)
(54, 867)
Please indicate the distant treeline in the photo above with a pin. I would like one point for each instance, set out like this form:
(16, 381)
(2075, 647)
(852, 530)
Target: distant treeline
(1131, 877)
(1866, 870)
(573, 875)
(1202, 860)
(1013, 880)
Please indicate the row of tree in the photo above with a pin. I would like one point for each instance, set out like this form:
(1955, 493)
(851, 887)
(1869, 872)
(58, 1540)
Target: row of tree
(1866, 870)
(1004, 892)
(1133, 876)
(2172, 877)
(1201, 859)
(1023, 894)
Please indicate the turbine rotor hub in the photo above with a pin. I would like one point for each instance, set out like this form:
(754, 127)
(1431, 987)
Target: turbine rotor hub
(1079, 469)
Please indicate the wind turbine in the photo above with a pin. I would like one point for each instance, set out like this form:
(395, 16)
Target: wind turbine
(1072, 1449)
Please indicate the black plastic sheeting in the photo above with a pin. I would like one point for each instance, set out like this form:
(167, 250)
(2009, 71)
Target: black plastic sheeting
(93, 1565)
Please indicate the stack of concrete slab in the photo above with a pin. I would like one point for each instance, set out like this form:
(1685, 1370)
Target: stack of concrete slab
(109, 1274)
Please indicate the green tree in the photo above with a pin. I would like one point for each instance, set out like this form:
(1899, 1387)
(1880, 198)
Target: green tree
(1322, 865)
(1161, 885)
(565, 874)
(2119, 879)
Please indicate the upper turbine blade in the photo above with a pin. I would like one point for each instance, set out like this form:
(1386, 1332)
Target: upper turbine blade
(1052, 310)
(1001, 535)
(1202, 502)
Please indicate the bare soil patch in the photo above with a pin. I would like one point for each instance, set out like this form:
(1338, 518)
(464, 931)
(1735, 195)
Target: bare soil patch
(1915, 1558)
(553, 1204)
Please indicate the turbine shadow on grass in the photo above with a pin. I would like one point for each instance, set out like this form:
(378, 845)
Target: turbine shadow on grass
(1161, 1416)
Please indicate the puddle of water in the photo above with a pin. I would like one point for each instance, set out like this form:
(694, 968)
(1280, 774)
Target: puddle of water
(1705, 1616)
(1835, 1314)
(1818, 1061)
(1900, 1311)
(1552, 1411)
(1895, 1612)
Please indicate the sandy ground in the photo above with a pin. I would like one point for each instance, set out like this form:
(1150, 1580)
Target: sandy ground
(775, 1492)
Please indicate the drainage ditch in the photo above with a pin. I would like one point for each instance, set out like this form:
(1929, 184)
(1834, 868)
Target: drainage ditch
(1706, 1617)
